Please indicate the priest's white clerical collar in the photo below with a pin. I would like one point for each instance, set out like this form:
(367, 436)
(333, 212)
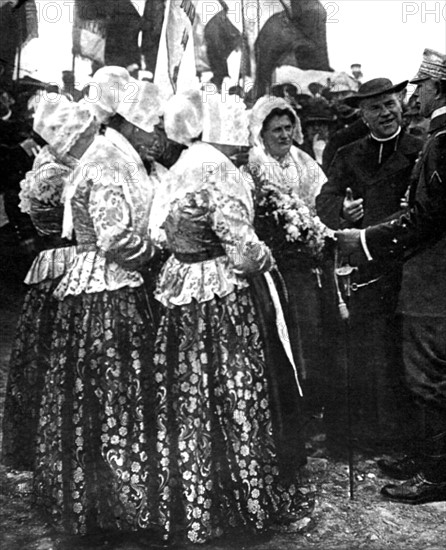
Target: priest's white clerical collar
(397, 133)
(438, 112)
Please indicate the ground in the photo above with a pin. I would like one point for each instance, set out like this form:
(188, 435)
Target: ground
(336, 522)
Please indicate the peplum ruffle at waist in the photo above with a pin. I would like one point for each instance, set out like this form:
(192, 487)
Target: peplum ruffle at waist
(91, 272)
(50, 264)
(179, 282)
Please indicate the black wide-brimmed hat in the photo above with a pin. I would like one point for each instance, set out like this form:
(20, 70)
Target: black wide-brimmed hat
(373, 88)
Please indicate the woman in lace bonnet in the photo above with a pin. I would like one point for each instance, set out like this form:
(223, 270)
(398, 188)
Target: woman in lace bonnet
(216, 457)
(277, 164)
(93, 444)
(68, 129)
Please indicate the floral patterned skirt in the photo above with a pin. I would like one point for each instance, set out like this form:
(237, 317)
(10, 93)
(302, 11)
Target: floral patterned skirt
(95, 422)
(27, 367)
(217, 462)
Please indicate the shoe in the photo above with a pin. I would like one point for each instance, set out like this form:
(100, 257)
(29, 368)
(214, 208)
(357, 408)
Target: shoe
(402, 469)
(415, 491)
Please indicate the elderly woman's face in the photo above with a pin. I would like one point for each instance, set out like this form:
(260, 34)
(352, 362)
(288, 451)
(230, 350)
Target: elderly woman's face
(278, 135)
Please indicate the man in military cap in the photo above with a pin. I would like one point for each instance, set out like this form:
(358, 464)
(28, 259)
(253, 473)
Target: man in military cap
(367, 182)
(419, 235)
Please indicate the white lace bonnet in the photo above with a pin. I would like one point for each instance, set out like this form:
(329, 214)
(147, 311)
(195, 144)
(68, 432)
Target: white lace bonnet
(108, 87)
(141, 105)
(262, 108)
(183, 116)
(62, 123)
(220, 119)
(225, 119)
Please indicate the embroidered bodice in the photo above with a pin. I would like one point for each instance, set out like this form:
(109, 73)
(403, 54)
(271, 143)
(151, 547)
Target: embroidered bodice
(213, 244)
(111, 196)
(189, 230)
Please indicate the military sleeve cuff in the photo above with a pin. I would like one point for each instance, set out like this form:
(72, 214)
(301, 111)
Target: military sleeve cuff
(365, 248)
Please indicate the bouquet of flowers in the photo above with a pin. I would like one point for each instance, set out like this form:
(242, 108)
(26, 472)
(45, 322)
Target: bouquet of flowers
(285, 223)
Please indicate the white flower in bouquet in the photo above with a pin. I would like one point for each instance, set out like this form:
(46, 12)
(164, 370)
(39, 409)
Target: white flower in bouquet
(298, 221)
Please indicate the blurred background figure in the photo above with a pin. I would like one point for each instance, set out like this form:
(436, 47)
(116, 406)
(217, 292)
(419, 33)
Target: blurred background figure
(6, 102)
(318, 123)
(69, 86)
(18, 148)
(356, 70)
(289, 92)
(350, 127)
(413, 121)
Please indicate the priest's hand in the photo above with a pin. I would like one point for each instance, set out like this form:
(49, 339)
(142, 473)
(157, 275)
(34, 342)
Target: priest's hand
(352, 210)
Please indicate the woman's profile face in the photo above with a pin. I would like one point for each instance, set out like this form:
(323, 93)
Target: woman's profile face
(149, 145)
(278, 135)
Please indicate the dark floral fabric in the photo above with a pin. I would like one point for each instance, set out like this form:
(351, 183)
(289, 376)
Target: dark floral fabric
(27, 367)
(216, 457)
(94, 432)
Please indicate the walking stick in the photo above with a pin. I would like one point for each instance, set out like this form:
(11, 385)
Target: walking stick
(343, 273)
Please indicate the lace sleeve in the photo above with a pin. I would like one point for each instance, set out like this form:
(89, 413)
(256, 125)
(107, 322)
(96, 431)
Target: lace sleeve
(230, 221)
(44, 183)
(111, 214)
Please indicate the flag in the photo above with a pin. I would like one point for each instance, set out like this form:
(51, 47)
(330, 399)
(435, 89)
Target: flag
(175, 65)
(238, 38)
(31, 26)
(152, 24)
(107, 32)
(200, 46)
(89, 34)
(122, 34)
(18, 25)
